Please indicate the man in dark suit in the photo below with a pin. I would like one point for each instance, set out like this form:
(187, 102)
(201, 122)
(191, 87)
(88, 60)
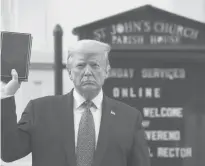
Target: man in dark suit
(81, 128)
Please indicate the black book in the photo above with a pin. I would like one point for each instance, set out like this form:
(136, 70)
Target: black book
(15, 54)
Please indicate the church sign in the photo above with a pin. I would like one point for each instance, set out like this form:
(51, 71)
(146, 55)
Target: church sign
(145, 32)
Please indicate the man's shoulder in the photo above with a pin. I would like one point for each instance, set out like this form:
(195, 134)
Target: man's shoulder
(50, 99)
(125, 113)
(123, 107)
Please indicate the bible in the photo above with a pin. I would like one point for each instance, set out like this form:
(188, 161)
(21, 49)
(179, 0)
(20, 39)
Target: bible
(15, 54)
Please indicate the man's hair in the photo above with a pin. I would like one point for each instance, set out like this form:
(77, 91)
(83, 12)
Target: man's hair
(92, 46)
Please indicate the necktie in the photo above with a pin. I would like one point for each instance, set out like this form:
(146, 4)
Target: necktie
(86, 137)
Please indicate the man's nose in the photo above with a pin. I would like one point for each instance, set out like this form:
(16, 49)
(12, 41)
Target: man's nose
(88, 70)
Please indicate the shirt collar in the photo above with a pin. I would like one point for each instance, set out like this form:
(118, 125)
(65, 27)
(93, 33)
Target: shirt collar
(98, 99)
(78, 99)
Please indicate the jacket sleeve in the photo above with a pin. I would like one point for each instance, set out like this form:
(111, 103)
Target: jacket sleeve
(15, 137)
(139, 155)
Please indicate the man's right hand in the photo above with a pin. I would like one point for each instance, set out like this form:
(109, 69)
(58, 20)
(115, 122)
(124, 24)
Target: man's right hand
(12, 86)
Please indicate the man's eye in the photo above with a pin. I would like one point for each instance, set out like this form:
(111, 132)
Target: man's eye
(80, 65)
(94, 65)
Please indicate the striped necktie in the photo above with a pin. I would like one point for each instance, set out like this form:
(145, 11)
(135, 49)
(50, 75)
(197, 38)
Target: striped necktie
(86, 137)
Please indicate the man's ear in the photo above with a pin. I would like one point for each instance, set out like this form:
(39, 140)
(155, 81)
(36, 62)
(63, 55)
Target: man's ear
(70, 74)
(107, 71)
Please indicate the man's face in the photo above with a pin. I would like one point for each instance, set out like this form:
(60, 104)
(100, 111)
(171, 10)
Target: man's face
(88, 72)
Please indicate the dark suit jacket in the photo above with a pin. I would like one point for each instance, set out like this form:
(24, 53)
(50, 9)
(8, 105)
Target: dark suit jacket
(46, 129)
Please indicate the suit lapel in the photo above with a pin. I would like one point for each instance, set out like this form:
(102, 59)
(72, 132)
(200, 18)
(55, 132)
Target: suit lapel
(68, 129)
(103, 134)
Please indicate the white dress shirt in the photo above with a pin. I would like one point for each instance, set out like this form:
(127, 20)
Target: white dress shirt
(97, 113)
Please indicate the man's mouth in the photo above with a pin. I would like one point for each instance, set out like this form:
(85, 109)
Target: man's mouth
(88, 83)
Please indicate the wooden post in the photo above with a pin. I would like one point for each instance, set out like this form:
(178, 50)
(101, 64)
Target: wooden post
(58, 34)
